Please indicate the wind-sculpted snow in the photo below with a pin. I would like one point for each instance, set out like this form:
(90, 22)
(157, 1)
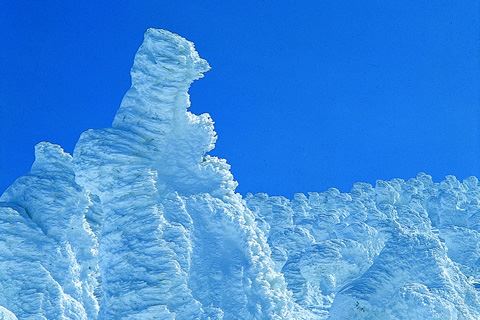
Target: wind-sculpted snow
(141, 223)
(48, 252)
(176, 241)
(399, 250)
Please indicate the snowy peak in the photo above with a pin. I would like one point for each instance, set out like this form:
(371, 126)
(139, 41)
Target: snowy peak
(153, 127)
(165, 59)
(156, 188)
(155, 106)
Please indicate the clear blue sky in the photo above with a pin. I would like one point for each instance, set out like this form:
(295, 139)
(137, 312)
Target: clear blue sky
(306, 95)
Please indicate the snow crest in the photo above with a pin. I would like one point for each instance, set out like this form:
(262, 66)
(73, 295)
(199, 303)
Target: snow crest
(141, 223)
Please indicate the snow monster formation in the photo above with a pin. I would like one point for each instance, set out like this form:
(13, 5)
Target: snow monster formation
(141, 223)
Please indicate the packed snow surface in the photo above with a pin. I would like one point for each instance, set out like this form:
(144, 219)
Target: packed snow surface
(141, 223)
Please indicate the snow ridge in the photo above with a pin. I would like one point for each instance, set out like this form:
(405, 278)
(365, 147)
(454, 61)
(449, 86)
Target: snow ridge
(141, 223)
(399, 250)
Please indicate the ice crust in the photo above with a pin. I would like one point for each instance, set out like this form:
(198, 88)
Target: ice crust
(141, 223)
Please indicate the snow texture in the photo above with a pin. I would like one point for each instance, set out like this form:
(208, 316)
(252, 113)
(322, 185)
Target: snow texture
(141, 223)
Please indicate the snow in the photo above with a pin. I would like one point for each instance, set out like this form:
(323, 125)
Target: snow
(141, 223)
(399, 250)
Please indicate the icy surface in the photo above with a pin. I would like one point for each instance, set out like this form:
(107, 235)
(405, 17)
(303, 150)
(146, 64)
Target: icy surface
(141, 223)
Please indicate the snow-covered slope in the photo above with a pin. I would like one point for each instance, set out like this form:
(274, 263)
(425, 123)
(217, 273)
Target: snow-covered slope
(141, 223)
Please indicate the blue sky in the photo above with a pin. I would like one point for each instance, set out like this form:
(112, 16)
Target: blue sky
(306, 95)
